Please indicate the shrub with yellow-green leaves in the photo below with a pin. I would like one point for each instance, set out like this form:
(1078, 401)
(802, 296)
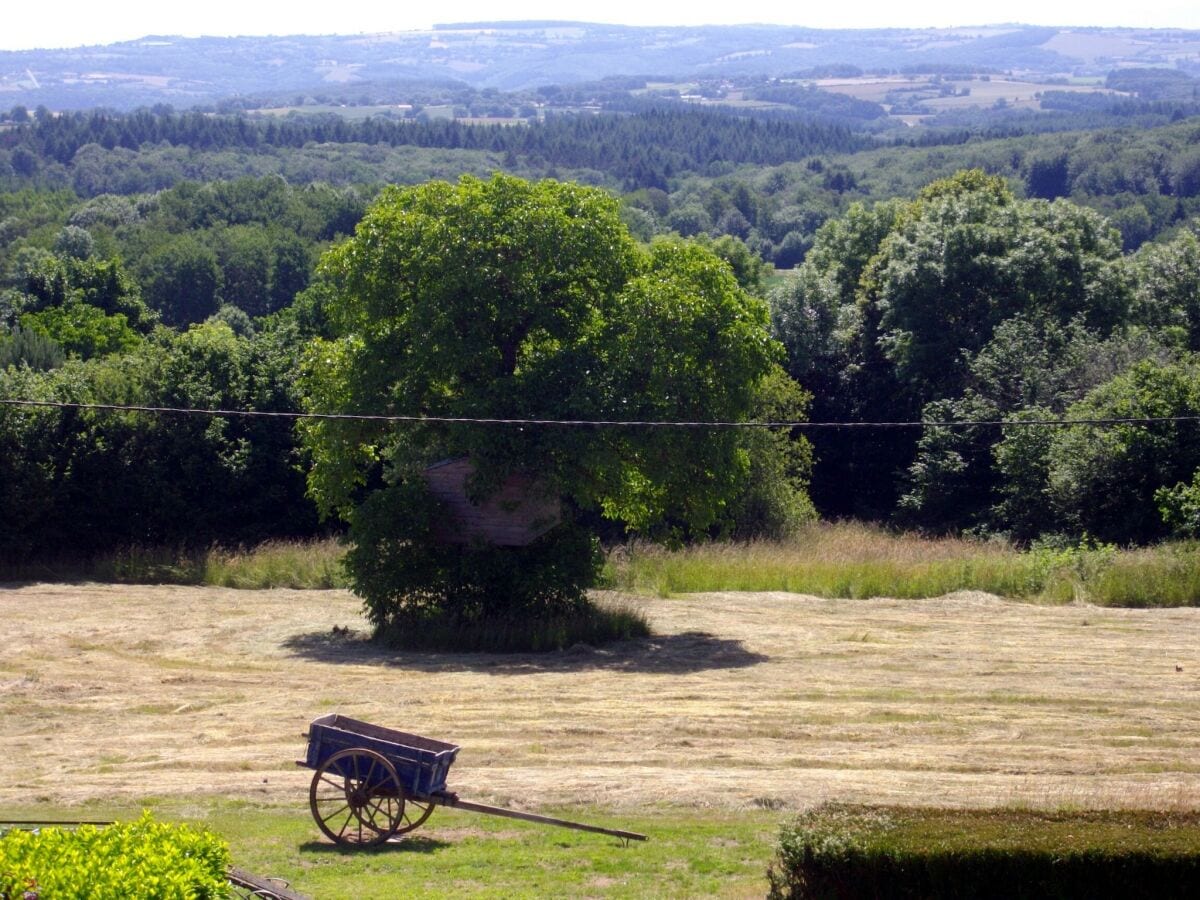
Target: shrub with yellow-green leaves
(142, 860)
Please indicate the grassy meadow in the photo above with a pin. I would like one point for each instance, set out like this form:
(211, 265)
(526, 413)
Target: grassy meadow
(852, 560)
(691, 854)
(312, 565)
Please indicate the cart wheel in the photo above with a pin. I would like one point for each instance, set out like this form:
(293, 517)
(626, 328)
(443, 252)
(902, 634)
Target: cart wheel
(414, 814)
(356, 798)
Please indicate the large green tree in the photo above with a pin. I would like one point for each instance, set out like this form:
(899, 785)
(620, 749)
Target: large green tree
(509, 299)
(894, 303)
(182, 279)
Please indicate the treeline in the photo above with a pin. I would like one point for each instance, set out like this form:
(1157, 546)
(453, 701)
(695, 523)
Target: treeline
(683, 175)
(177, 257)
(1145, 181)
(77, 482)
(1061, 111)
(970, 305)
(981, 297)
(1155, 83)
(197, 297)
(817, 101)
(643, 149)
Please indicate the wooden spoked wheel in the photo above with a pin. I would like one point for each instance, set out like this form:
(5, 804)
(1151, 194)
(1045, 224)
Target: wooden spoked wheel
(414, 814)
(356, 798)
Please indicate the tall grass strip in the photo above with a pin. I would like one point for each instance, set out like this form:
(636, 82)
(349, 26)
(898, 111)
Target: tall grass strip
(851, 560)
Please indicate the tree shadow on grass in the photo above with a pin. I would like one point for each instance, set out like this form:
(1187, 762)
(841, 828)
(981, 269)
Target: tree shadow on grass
(397, 845)
(666, 654)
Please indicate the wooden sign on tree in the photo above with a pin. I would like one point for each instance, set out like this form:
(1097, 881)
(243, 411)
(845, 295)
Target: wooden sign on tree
(516, 515)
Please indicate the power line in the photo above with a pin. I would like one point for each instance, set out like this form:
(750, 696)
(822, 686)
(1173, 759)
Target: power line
(591, 423)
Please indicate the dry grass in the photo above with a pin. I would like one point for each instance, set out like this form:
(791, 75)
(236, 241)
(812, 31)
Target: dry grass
(840, 559)
(295, 564)
(277, 563)
(1016, 93)
(834, 543)
(119, 693)
(847, 559)
(852, 559)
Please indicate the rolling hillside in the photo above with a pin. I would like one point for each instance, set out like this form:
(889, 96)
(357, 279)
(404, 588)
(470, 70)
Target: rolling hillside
(514, 56)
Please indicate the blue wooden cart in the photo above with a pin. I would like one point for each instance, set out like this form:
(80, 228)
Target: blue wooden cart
(372, 784)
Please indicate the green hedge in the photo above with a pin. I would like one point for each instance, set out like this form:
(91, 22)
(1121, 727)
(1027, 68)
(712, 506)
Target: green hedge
(142, 860)
(853, 852)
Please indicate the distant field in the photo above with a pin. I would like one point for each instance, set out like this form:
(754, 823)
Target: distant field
(493, 120)
(878, 89)
(355, 113)
(348, 112)
(1092, 46)
(780, 278)
(1014, 92)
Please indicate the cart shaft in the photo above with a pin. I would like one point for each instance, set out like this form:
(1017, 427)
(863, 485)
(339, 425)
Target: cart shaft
(452, 800)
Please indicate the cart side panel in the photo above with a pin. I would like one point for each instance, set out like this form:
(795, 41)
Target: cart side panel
(421, 763)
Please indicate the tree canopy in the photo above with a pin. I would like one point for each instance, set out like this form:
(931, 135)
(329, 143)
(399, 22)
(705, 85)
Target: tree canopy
(895, 303)
(510, 299)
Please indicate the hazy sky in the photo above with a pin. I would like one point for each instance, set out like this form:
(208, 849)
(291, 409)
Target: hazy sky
(69, 23)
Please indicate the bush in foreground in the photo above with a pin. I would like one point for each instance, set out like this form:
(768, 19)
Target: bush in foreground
(142, 859)
(855, 852)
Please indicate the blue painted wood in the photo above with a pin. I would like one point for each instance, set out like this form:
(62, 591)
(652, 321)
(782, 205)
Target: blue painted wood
(421, 763)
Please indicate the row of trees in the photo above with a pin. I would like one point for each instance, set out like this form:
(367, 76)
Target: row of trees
(76, 482)
(645, 148)
(1144, 181)
(768, 184)
(249, 244)
(182, 299)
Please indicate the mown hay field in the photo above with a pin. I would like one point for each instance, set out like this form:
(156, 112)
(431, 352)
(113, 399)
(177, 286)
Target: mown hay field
(123, 694)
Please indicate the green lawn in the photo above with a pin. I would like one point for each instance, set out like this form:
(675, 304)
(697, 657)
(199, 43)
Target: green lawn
(690, 852)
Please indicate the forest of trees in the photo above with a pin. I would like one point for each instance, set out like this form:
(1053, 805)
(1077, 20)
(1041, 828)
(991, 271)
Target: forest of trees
(643, 149)
(969, 305)
(768, 183)
(170, 259)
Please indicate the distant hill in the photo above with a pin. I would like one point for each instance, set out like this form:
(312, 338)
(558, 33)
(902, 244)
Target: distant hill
(511, 56)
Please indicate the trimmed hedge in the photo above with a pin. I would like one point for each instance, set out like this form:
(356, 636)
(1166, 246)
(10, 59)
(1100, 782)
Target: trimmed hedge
(142, 860)
(857, 852)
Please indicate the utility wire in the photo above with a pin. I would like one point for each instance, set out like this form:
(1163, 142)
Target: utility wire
(593, 423)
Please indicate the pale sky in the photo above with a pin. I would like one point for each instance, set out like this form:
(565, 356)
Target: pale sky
(70, 23)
